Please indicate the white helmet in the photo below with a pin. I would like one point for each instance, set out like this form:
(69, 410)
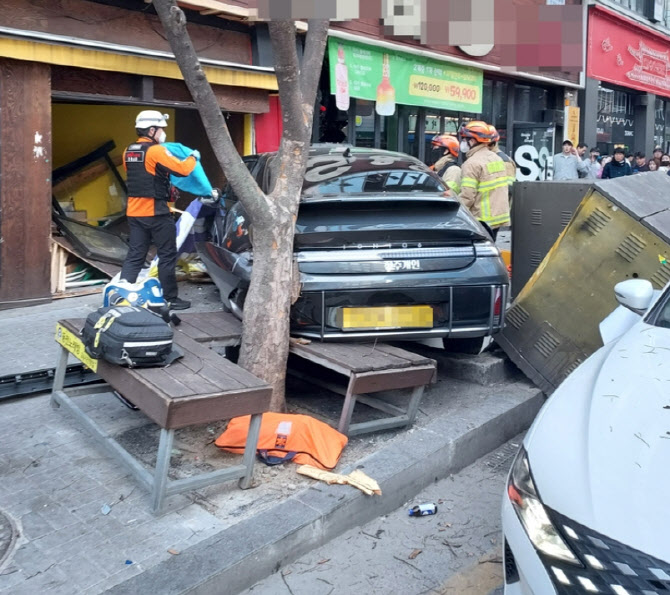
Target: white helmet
(150, 117)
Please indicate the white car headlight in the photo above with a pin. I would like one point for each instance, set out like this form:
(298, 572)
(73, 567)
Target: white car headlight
(526, 502)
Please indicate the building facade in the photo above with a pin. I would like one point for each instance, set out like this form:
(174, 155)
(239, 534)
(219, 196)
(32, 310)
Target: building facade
(626, 96)
(73, 76)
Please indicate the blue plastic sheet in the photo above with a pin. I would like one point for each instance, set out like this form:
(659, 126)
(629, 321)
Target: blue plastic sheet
(197, 182)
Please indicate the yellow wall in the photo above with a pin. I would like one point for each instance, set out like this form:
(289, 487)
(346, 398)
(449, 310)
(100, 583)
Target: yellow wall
(79, 129)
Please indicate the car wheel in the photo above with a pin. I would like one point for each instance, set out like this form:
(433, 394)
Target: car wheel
(471, 346)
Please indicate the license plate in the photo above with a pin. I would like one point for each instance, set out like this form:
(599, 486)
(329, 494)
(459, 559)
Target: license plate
(394, 266)
(386, 317)
(75, 346)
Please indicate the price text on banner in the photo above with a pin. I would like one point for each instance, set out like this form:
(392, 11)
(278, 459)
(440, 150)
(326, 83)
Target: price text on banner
(416, 80)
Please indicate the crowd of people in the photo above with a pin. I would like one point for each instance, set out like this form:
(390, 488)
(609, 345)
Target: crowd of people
(581, 162)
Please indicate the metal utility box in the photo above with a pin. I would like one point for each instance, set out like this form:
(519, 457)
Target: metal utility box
(621, 230)
(540, 212)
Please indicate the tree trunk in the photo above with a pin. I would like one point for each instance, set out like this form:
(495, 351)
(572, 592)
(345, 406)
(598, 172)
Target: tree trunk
(264, 349)
(265, 340)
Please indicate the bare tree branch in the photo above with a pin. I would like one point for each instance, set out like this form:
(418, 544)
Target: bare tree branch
(174, 22)
(312, 61)
(287, 68)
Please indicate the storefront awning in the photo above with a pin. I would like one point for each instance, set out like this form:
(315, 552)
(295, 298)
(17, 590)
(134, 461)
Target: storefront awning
(84, 53)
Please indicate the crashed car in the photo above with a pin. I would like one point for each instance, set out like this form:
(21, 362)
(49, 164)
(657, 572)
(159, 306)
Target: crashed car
(586, 504)
(382, 251)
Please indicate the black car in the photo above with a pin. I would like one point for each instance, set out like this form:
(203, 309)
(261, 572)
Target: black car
(382, 252)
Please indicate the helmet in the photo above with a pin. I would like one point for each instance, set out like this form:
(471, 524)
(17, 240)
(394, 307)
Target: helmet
(151, 117)
(478, 130)
(447, 141)
(144, 294)
(495, 135)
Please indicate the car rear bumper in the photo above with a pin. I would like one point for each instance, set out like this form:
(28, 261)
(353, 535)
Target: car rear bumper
(457, 312)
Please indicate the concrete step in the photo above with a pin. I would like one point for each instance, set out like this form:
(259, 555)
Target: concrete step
(476, 420)
(488, 368)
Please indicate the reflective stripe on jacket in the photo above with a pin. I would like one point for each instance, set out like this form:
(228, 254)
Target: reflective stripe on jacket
(149, 165)
(484, 186)
(452, 175)
(510, 166)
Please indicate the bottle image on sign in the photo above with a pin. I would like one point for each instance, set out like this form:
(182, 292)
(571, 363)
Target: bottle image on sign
(385, 105)
(341, 81)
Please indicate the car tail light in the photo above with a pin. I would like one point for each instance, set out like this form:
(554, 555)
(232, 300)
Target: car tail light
(497, 306)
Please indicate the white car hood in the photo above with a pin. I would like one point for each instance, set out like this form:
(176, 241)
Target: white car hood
(600, 449)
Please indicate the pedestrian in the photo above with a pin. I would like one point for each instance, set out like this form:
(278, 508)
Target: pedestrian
(640, 164)
(665, 163)
(593, 164)
(567, 164)
(149, 165)
(618, 167)
(484, 188)
(630, 158)
(446, 166)
(583, 154)
(657, 155)
(651, 166)
(510, 166)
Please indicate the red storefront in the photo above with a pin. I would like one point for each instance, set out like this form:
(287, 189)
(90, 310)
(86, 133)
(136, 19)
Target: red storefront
(628, 87)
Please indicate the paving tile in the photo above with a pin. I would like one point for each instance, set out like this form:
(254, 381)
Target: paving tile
(36, 525)
(82, 573)
(11, 576)
(57, 539)
(51, 580)
(20, 502)
(30, 560)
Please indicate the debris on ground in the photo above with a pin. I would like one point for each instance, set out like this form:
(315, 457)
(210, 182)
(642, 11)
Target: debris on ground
(356, 478)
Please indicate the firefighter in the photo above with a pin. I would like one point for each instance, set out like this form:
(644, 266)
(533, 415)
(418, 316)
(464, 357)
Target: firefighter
(148, 165)
(510, 166)
(484, 178)
(446, 167)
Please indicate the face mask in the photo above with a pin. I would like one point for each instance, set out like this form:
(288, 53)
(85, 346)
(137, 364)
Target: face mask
(160, 136)
(465, 147)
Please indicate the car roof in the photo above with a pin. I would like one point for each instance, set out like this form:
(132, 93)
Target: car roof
(401, 160)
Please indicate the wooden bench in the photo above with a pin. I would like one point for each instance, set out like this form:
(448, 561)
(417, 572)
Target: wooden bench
(199, 388)
(367, 367)
(371, 368)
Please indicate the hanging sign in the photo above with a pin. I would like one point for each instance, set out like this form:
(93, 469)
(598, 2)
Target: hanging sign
(623, 53)
(389, 78)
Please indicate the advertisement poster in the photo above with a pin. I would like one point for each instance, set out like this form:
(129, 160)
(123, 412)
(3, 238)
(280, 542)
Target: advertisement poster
(389, 78)
(534, 151)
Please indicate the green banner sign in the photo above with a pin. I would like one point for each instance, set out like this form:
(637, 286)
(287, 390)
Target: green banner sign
(389, 78)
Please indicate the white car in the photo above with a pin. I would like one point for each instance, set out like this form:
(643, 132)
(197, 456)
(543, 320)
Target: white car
(587, 505)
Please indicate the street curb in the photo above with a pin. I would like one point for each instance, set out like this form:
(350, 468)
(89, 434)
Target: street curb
(242, 555)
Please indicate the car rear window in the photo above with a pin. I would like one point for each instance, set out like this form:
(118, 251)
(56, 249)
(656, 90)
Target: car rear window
(376, 174)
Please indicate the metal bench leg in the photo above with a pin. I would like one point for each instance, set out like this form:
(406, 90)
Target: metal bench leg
(348, 407)
(250, 451)
(414, 401)
(59, 376)
(162, 467)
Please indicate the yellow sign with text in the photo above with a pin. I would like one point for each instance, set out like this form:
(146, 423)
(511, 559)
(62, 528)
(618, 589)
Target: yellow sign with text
(434, 88)
(75, 346)
(572, 124)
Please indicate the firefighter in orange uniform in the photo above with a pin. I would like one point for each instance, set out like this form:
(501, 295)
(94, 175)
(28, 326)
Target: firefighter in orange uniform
(149, 165)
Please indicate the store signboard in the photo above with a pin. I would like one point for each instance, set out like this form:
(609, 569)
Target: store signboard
(572, 124)
(389, 78)
(627, 54)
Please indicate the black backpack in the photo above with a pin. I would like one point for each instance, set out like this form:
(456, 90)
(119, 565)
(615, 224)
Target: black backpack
(127, 335)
